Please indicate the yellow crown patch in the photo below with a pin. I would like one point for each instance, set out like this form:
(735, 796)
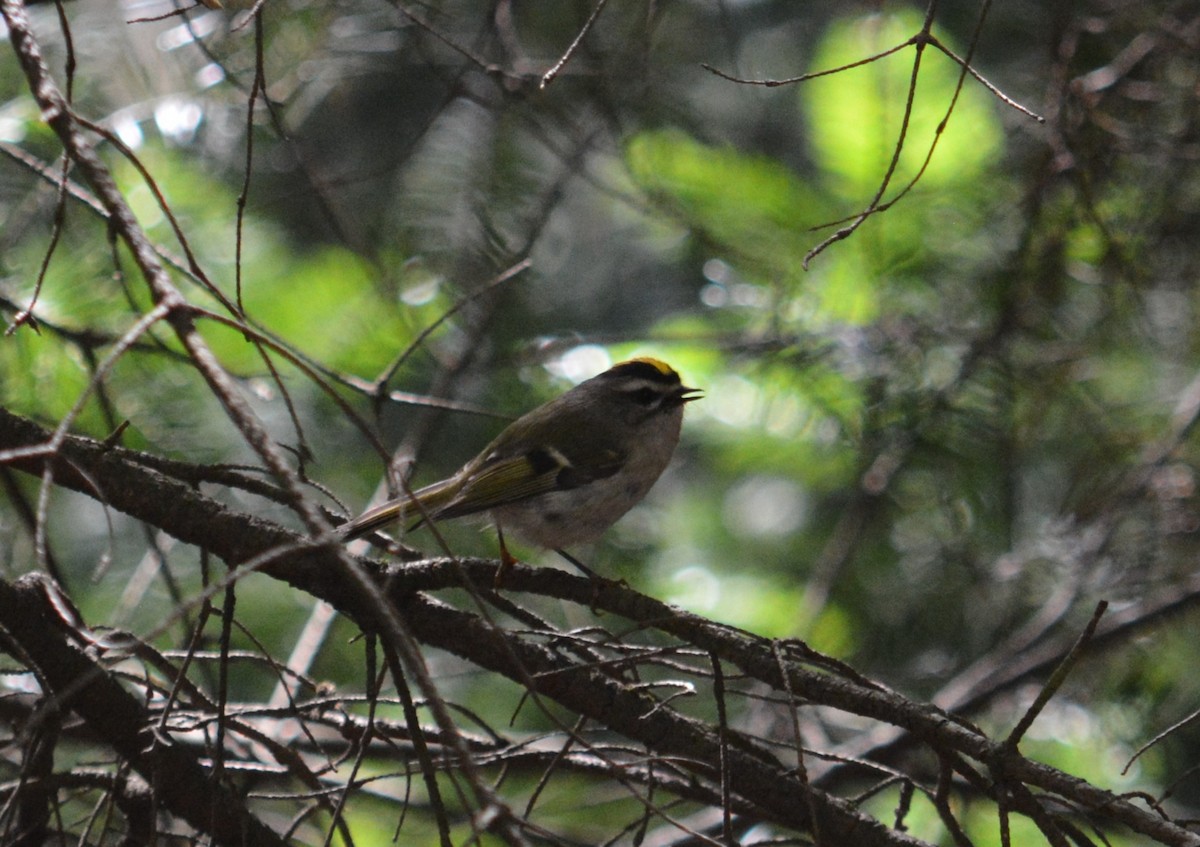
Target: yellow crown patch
(658, 364)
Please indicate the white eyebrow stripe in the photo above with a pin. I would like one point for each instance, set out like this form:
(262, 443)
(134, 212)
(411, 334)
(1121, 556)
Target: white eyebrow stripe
(632, 387)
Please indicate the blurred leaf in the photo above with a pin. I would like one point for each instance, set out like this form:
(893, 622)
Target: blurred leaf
(750, 204)
(855, 116)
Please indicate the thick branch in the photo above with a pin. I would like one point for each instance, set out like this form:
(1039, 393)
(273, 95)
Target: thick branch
(79, 684)
(128, 484)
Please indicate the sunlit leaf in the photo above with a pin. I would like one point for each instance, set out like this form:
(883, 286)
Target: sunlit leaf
(752, 204)
(856, 115)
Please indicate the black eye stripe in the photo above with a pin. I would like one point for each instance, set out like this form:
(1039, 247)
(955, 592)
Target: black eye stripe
(645, 396)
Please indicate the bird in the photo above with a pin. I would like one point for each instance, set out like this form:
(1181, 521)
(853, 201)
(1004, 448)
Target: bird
(563, 473)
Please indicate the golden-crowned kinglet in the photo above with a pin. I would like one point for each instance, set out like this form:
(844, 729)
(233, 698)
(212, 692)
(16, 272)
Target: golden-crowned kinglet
(565, 472)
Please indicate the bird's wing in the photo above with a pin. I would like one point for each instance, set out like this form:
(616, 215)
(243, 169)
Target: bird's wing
(500, 480)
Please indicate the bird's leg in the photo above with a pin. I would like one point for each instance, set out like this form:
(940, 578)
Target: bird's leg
(507, 559)
(594, 579)
(584, 569)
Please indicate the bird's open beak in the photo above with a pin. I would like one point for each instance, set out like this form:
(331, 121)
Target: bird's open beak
(687, 395)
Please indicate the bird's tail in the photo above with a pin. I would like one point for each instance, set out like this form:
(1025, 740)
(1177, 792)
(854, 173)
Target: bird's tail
(427, 504)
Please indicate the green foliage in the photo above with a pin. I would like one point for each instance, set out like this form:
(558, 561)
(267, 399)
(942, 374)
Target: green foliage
(748, 204)
(857, 116)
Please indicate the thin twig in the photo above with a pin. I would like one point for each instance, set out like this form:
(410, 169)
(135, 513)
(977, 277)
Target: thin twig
(1057, 678)
(550, 75)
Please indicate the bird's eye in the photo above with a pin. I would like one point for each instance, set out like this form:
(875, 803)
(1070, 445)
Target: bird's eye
(644, 396)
